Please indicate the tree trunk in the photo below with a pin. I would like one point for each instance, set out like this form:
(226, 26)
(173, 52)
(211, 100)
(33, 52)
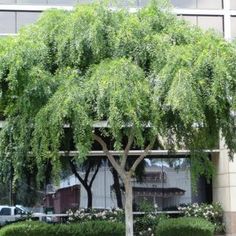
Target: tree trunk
(117, 187)
(89, 197)
(129, 207)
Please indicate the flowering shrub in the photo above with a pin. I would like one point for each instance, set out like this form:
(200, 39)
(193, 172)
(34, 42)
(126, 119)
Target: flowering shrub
(143, 225)
(80, 215)
(211, 212)
(146, 224)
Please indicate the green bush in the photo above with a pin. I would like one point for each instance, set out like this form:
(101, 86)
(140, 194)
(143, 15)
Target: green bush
(185, 226)
(211, 212)
(92, 228)
(145, 224)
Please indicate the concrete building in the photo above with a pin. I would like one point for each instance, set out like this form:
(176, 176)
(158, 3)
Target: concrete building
(219, 15)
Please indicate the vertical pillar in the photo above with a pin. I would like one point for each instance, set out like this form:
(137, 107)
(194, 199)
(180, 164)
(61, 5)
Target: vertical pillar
(227, 20)
(224, 187)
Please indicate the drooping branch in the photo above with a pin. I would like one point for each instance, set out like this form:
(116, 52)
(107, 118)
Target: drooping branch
(141, 157)
(109, 156)
(126, 152)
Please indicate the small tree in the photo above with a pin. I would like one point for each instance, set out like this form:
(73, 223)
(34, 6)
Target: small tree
(146, 75)
(89, 165)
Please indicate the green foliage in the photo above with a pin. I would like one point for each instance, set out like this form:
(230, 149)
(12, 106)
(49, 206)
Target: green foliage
(145, 225)
(147, 73)
(146, 206)
(185, 227)
(93, 228)
(211, 212)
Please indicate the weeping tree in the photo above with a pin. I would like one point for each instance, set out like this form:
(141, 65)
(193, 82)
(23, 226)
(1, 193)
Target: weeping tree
(146, 79)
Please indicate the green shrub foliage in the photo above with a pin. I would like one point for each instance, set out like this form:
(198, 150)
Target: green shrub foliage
(92, 228)
(211, 212)
(185, 226)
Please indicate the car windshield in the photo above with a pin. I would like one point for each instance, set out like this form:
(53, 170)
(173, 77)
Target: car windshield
(19, 210)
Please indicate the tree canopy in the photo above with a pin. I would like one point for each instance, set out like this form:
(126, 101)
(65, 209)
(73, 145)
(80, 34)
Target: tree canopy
(148, 74)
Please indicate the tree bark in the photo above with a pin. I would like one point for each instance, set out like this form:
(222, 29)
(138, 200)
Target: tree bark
(84, 183)
(125, 176)
(89, 197)
(117, 188)
(129, 207)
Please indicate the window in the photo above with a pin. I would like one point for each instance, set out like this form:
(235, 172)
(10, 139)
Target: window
(64, 2)
(206, 22)
(7, 1)
(209, 4)
(184, 3)
(233, 27)
(34, 2)
(26, 18)
(191, 19)
(7, 23)
(18, 211)
(166, 183)
(211, 22)
(233, 4)
(199, 4)
(5, 211)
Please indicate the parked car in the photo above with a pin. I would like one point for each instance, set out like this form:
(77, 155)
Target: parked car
(12, 213)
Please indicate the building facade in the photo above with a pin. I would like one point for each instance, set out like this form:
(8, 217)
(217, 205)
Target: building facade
(219, 15)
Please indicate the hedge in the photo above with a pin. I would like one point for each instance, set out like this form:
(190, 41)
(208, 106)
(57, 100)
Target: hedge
(92, 228)
(185, 226)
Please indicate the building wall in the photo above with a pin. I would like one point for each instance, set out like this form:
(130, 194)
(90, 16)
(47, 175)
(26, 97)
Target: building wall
(219, 15)
(224, 186)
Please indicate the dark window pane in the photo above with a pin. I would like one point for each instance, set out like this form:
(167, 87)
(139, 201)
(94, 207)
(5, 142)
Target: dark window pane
(5, 212)
(18, 211)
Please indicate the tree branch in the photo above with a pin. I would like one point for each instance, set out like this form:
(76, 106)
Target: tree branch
(88, 171)
(109, 156)
(141, 157)
(74, 171)
(95, 173)
(126, 151)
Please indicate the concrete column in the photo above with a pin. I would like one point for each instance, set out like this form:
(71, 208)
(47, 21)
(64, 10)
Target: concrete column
(224, 187)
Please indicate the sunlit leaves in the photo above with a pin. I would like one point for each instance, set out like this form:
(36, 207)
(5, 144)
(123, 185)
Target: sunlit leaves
(120, 94)
(146, 72)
